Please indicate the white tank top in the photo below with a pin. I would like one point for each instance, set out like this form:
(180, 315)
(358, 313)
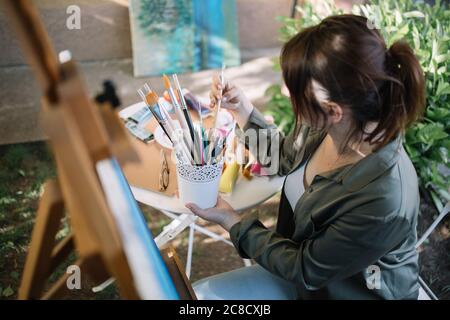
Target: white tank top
(293, 186)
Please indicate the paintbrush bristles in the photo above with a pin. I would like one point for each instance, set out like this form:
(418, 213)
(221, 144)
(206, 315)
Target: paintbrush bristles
(166, 82)
(151, 98)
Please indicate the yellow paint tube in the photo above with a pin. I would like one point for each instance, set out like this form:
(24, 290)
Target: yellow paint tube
(229, 177)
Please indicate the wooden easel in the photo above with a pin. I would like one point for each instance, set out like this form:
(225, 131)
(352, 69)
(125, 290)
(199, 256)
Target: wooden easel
(81, 134)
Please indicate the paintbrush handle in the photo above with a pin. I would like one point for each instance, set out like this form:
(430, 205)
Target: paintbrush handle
(162, 120)
(182, 119)
(166, 130)
(168, 119)
(189, 122)
(216, 113)
(184, 107)
(213, 147)
(161, 124)
(180, 116)
(220, 147)
(181, 152)
(219, 103)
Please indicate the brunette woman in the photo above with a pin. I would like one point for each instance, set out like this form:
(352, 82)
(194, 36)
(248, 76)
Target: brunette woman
(348, 212)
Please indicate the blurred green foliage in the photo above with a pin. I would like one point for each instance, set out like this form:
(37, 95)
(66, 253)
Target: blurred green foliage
(427, 29)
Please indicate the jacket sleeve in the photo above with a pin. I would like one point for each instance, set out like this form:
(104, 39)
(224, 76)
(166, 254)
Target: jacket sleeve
(262, 139)
(353, 242)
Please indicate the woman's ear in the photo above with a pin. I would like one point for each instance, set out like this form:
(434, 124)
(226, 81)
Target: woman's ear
(334, 111)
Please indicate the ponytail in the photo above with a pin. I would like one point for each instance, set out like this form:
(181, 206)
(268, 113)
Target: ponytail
(404, 92)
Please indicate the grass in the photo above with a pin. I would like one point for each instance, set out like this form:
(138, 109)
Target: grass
(23, 170)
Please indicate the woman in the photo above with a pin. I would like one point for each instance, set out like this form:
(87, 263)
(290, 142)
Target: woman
(348, 212)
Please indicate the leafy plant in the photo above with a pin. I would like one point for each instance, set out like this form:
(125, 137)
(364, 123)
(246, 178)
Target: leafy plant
(427, 29)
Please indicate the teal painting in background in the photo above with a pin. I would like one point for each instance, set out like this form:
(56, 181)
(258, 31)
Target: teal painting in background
(176, 36)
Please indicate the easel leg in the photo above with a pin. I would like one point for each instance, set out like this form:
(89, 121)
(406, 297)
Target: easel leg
(62, 250)
(38, 261)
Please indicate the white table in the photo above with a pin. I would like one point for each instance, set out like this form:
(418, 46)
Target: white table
(246, 194)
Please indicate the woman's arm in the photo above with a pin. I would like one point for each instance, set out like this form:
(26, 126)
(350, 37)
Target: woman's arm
(350, 244)
(264, 140)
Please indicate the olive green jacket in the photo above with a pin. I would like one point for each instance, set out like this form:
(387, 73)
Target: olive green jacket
(353, 231)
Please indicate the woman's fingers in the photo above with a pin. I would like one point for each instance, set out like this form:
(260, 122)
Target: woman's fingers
(228, 94)
(231, 95)
(212, 214)
(228, 100)
(196, 210)
(216, 87)
(212, 99)
(222, 213)
(215, 80)
(230, 106)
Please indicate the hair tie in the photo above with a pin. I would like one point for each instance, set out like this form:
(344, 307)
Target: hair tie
(388, 55)
(390, 63)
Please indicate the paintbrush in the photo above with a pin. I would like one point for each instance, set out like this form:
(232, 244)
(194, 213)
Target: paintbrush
(197, 146)
(219, 146)
(168, 127)
(216, 111)
(187, 116)
(164, 114)
(151, 99)
(143, 93)
(212, 148)
(219, 102)
(179, 113)
(176, 105)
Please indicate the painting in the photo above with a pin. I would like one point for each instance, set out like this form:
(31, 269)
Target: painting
(177, 36)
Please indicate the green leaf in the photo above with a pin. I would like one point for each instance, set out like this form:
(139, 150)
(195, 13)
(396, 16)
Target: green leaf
(442, 58)
(443, 88)
(413, 14)
(437, 202)
(432, 132)
(444, 153)
(400, 34)
(444, 194)
(438, 114)
(441, 70)
(15, 275)
(416, 37)
(8, 292)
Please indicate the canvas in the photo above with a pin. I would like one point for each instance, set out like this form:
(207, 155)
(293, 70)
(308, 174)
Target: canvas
(176, 36)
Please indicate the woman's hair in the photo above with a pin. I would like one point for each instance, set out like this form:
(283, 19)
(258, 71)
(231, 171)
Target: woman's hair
(351, 62)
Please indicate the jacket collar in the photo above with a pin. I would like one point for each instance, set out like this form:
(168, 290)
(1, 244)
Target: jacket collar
(358, 175)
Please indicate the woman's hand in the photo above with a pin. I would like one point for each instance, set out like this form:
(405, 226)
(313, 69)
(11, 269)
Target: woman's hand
(222, 213)
(233, 99)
